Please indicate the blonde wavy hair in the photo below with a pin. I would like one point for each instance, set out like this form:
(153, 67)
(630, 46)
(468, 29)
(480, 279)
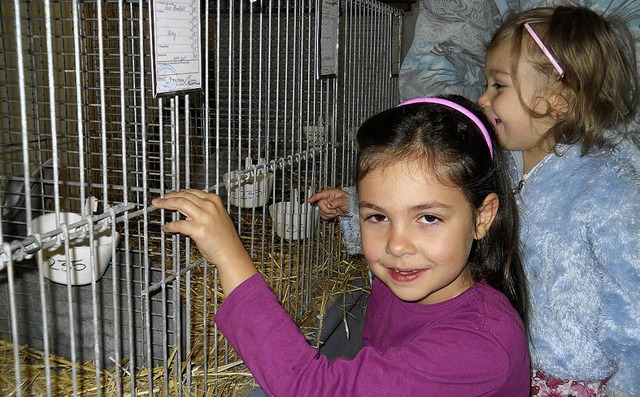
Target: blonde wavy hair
(600, 82)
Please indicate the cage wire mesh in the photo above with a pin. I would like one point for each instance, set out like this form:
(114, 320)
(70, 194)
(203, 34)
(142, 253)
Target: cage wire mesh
(83, 134)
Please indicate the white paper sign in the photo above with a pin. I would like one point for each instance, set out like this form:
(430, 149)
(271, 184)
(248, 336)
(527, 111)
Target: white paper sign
(176, 46)
(328, 32)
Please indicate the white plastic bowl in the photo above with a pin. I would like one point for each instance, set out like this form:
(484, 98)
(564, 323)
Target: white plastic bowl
(252, 193)
(55, 261)
(294, 221)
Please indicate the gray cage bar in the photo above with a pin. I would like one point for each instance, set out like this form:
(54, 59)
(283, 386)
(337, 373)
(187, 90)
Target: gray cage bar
(79, 121)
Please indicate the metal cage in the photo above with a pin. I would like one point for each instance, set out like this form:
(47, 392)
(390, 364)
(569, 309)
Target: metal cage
(82, 133)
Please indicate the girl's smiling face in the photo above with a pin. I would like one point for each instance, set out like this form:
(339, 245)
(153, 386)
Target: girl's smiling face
(416, 232)
(515, 127)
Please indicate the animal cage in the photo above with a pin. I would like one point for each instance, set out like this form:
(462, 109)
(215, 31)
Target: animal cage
(94, 298)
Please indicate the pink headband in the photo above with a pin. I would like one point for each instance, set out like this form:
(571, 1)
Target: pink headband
(544, 49)
(460, 109)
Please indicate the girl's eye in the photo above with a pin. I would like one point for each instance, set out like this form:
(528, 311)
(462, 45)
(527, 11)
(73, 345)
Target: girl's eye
(376, 218)
(497, 86)
(429, 219)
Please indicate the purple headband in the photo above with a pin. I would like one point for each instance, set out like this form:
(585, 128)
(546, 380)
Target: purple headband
(460, 109)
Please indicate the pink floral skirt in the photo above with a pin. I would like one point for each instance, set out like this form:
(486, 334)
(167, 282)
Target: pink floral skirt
(547, 386)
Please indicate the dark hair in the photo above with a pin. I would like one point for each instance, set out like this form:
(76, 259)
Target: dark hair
(453, 148)
(598, 56)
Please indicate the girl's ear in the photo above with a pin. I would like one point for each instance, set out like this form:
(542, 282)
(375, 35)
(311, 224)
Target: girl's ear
(559, 104)
(486, 214)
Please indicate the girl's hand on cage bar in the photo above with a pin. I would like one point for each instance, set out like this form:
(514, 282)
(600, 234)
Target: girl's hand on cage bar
(213, 231)
(332, 203)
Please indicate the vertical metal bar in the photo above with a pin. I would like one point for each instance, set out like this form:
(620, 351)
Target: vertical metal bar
(263, 139)
(27, 185)
(297, 97)
(136, 117)
(300, 262)
(367, 58)
(206, 124)
(229, 101)
(357, 73)
(345, 103)
(23, 114)
(116, 301)
(308, 262)
(250, 86)
(145, 201)
(163, 249)
(139, 153)
(187, 322)
(93, 263)
(349, 105)
(255, 137)
(330, 132)
(103, 110)
(123, 103)
(52, 109)
(321, 88)
(216, 346)
(175, 169)
(251, 151)
(56, 165)
(384, 73)
(310, 120)
(71, 306)
(268, 111)
(252, 143)
(6, 247)
(240, 67)
(277, 122)
(242, 163)
(45, 320)
(125, 199)
(103, 135)
(307, 35)
(79, 102)
(45, 317)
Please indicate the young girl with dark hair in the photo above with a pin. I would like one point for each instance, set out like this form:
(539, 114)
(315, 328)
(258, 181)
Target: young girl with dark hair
(439, 232)
(563, 88)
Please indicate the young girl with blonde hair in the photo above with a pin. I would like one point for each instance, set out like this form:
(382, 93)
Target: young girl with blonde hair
(562, 90)
(562, 84)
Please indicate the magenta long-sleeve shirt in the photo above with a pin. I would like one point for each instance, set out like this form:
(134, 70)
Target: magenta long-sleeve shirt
(472, 345)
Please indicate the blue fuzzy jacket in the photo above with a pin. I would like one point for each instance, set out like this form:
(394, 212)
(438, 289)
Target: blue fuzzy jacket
(580, 238)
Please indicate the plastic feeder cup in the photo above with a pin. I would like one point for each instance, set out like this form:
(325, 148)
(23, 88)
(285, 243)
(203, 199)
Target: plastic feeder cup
(294, 221)
(252, 193)
(56, 265)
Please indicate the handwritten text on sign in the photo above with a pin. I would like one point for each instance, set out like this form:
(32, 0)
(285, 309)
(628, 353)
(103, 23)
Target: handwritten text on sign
(177, 46)
(329, 11)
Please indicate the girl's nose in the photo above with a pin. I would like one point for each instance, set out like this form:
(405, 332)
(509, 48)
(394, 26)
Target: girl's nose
(400, 242)
(484, 101)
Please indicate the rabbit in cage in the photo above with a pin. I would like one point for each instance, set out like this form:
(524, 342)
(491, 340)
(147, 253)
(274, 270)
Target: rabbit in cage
(14, 211)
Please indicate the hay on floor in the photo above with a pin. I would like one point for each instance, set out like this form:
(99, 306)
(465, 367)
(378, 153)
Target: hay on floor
(227, 375)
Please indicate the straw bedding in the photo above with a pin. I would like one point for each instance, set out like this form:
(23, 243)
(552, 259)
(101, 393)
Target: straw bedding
(305, 293)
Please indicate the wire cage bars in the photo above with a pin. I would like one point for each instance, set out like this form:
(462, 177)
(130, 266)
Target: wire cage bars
(94, 298)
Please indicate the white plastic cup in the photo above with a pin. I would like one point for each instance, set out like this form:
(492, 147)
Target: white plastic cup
(252, 193)
(294, 221)
(55, 261)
